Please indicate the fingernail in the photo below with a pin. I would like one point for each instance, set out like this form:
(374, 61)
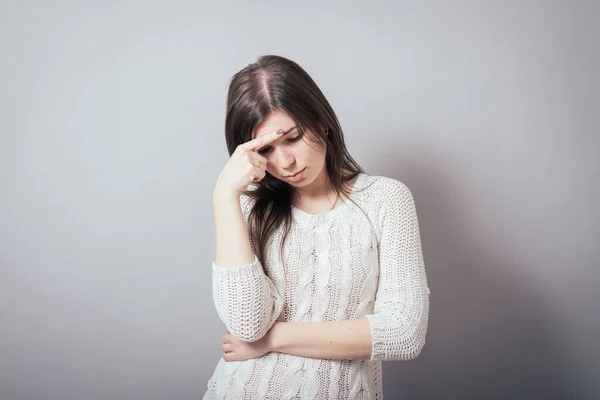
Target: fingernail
(279, 131)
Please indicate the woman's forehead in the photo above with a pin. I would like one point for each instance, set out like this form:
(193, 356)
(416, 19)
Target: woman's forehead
(276, 120)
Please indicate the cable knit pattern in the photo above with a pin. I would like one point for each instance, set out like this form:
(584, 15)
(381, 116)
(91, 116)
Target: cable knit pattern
(349, 263)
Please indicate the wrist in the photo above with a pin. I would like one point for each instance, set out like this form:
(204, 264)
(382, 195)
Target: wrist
(220, 195)
(274, 337)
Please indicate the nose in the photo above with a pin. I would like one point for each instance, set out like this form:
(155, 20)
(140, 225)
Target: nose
(284, 158)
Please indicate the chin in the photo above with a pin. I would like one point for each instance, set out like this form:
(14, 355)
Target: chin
(303, 183)
(298, 184)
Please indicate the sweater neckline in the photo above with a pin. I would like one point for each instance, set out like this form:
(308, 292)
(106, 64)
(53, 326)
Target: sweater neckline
(301, 215)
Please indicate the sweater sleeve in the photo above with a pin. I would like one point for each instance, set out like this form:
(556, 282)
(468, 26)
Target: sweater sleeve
(401, 311)
(246, 299)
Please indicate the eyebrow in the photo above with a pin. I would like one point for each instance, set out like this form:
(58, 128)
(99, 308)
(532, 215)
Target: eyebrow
(284, 132)
(289, 130)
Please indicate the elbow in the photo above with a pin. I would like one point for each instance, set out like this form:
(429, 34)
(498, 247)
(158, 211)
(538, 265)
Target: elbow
(246, 300)
(248, 336)
(249, 331)
(412, 344)
(253, 324)
(396, 338)
(413, 351)
(405, 350)
(253, 329)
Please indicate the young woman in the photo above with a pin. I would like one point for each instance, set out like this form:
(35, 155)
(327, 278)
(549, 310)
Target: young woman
(318, 273)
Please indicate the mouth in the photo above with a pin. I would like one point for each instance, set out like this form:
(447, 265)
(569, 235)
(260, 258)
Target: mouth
(291, 176)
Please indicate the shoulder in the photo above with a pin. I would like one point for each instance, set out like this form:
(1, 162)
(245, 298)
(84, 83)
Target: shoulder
(386, 202)
(383, 191)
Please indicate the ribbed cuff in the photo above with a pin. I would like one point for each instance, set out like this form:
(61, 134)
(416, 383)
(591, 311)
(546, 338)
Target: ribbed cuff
(238, 272)
(378, 346)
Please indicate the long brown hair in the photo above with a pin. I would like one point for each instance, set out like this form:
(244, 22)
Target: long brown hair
(275, 83)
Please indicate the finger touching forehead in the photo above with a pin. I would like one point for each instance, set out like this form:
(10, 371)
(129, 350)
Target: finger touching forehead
(274, 121)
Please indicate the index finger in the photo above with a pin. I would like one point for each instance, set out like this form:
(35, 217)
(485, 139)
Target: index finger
(264, 140)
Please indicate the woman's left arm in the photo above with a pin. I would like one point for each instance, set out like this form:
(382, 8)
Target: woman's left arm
(336, 340)
(397, 328)
(400, 318)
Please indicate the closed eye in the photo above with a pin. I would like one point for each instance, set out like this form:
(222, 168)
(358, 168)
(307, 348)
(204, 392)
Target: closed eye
(267, 150)
(292, 140)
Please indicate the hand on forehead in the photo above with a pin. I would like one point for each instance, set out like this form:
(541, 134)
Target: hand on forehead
(274, 121)
(270, 129)
(263, 140)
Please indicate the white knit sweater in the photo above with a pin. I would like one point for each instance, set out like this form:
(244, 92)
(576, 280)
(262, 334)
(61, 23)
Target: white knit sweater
(338, 265)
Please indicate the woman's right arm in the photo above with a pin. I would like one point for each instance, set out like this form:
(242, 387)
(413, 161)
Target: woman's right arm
(246, 299)
(232, 243)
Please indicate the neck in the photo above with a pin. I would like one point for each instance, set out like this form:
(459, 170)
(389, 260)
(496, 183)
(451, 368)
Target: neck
(319, 190)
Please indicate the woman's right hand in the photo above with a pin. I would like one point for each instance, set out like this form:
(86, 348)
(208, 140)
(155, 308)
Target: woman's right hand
(245, 166)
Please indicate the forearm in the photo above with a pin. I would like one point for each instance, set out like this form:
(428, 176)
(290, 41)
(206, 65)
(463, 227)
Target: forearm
(337, 340)
(245, 298)
(232, 243)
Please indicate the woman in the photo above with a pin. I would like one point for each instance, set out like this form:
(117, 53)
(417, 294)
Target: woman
(318, 274)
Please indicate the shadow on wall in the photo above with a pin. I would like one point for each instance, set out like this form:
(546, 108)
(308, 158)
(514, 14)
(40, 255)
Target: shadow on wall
(490, 336)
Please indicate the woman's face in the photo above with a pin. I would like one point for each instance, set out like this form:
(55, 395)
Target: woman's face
(291, 154)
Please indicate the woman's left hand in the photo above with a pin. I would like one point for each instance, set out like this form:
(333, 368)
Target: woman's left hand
(236, 350)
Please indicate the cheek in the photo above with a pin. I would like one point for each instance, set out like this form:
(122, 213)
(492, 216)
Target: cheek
(310, 151)
(314, 153)
(270, 164)
(272, 167)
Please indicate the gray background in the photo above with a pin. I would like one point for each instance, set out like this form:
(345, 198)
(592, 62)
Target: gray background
(112, 138)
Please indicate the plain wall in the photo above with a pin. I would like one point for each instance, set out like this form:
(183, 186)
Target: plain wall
(111, 126)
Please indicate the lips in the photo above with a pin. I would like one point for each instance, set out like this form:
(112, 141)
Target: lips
(291, 176)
